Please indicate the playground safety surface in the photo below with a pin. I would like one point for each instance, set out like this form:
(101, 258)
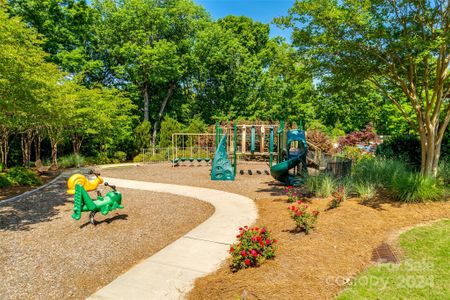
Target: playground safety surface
(45, 254)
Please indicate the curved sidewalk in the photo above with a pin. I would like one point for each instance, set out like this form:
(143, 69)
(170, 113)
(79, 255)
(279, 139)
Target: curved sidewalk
(171, 272)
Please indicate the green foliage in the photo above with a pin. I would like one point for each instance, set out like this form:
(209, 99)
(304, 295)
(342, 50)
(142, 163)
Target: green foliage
(365, 190)
(400, 182)
(120, 156)
(303, 218)
(169, 126)
(423, 274)
(401, 147)
(355, 154)
(321, 185)
(444, 170)
(2, 167)
(23, 176)
(413, 187)
(255, 246)
(142, 135)
(71, 161)
(5, 181)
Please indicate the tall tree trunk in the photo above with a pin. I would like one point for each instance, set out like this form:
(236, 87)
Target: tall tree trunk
(55, 136)
(54, 146)
(146, 102)
(4, 145)
(27, 140)
(37, 146)
(77, 140)
(161, 111)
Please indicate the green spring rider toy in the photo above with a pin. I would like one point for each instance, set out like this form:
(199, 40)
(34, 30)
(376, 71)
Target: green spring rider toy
(83, 202)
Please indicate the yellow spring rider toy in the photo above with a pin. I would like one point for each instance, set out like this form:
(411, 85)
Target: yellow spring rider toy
(78, 185)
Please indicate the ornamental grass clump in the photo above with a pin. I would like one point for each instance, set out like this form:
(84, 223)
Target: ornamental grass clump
(254, 247)
(338, 198)
(292, 193)
(304, 219)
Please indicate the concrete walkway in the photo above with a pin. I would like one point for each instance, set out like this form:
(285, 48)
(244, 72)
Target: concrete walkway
(171, 272)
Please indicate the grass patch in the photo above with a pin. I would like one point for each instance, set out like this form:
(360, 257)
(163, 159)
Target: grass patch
(424, 274)
(321, 186)
(70, 161)
(402, 183)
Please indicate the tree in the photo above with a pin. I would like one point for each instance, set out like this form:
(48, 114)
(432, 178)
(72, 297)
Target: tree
(145, 45)
(401, 47)
(67, 27)
(26, 83)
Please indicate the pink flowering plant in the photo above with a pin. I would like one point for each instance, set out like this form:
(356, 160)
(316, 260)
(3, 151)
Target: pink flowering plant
(338, 198)
(254, 247)
(292, 193)
(304, 219)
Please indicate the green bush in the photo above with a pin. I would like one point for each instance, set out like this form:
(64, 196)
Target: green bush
(402, 183)
(402, 147)
(120, 156)
(71, 161)
(2, 167)
(5, 181)
(321, 185)
(23, 176)
(444, 170)
(413, 187)
(365, 190)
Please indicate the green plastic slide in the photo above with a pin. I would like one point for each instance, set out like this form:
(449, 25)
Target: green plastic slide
(221, 167)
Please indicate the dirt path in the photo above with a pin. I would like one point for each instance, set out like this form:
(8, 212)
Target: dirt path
(307, 267)
(45, 254)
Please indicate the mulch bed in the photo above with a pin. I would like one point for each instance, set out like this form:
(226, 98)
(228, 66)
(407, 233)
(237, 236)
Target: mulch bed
(45, 254)
(314, 266)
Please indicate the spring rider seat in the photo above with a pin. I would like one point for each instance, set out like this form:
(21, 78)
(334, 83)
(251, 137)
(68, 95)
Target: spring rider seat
(78, 185)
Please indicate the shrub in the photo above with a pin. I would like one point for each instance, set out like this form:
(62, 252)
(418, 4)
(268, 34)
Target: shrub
(365, 190)
(321, 140)
(413, 187)
(120, 156)
(401, 147)
(321, 185)
(5, 181)
(364, 137)
(402, 183)
(293, 194)
(338, 197)
(71, 161)
(444, 170)
(23, 176)
(355, 154)
(254, 247)
(2, 167)
(304, 220)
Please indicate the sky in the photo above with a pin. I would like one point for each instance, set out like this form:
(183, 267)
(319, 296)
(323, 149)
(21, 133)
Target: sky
(259, 10)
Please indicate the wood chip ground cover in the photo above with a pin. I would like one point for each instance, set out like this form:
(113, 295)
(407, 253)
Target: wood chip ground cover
(45, 254)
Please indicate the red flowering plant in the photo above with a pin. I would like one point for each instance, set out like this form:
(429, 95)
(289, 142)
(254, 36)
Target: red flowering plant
(304, 219)
(292, 193)
(254, 247)
(338, 198)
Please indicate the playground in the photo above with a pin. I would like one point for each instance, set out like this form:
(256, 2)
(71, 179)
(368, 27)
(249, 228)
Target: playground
(85, 258)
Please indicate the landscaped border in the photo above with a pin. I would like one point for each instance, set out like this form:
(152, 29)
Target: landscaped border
(171, 272)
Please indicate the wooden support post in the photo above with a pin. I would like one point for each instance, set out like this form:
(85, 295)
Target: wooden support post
(263, 138)
(244, 139)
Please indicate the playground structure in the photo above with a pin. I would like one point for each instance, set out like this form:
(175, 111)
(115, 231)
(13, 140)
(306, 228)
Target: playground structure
(192, 147)
(79, 185)
(286, 151)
